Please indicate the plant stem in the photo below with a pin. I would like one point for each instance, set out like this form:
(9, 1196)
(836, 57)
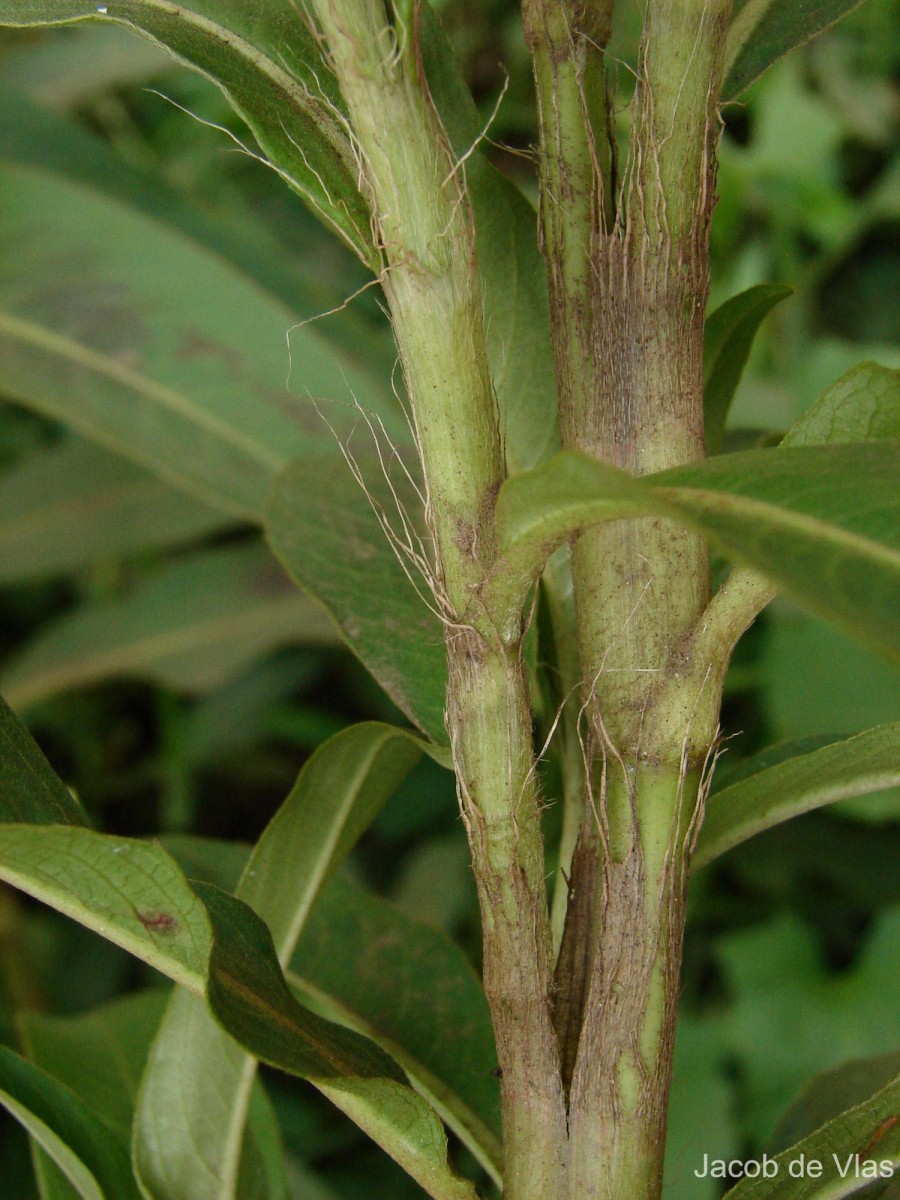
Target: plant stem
(628, 296)
(423, 227)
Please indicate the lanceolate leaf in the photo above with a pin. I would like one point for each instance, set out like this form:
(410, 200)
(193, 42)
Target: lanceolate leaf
(213, 944)
(764, 30)
(93, 1161)
(727, 340)
(767, 792)
(863, 405)
(851, 1148)
(155, 346)
(317, 506)
(195, 1067)
(822, 522)
(191, 625)
(63, 508)
(268, 63)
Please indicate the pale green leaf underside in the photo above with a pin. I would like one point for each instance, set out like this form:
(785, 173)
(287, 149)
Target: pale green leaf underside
(66, 507)
(768, 795)
(267, 62)
(821, 522)
(195, 1067)
(191, 625)
(869, 1130)
(862, 406)
(764, 30)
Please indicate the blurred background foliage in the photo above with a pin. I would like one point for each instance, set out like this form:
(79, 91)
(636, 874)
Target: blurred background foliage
(792, 960)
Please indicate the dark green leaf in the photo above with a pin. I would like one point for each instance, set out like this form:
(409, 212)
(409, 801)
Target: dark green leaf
(764, 30)
(767, 793)
(397, 979)
(94, 1162)
(29, 789)
(269, 65)
(326, 533)
(409, 988)
(727, 340)
(192, 625)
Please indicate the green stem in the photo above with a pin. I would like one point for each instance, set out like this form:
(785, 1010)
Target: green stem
(423, 227)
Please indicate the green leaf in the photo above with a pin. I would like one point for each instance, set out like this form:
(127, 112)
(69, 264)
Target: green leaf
(93, 1161)
(764, 30)
(64, 72)
(830, 1093)
(790, 1016)
(213, 944)
(113, 1039)
(30, 790)
(364, 962)
(409, 987)
(822, 522)
(33, 137)
(269, 65)
(195, 1068)
(65, 507)
(857, 1141)
(151, 343)
(101, 1056)
(727, 339)
(863, 405)
(191, 625)
(509, 264)
(767, 792)
(317, 506)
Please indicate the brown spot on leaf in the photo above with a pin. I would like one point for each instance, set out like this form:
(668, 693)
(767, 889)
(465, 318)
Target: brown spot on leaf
(156, 921)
